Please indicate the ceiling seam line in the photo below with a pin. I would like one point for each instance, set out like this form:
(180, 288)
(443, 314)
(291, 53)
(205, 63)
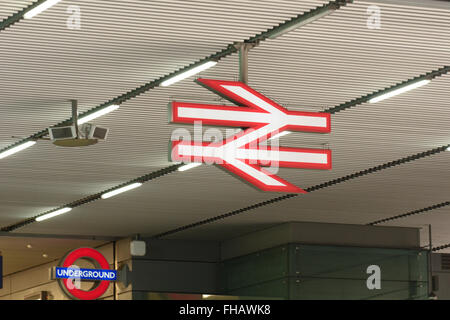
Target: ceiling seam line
(94, 197)
(427, 76)
(331, 111)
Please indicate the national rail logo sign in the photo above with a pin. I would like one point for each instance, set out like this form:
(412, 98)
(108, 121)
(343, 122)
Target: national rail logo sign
(69, 275)
(243, 153)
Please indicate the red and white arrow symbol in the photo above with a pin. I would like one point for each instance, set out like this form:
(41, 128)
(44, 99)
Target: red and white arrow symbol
(241, 153)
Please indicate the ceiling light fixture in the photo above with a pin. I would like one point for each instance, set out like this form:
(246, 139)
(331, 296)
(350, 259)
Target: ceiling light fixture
(279, 135)
(121, 190)
(40, 8)
(400, 90)
(16, 149)
(99, 113)
(189, 166)
(53, 214)
(188, 73)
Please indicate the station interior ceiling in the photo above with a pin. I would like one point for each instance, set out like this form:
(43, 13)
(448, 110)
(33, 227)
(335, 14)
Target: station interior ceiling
(318, 66)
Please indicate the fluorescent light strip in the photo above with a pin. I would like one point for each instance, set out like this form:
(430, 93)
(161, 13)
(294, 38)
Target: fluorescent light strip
(188, 73)
(189, 166)
(53, 214)
(279, 135)
(16, 149)
(40, 8)
(399, 91)
(121, 190)
(98, 113)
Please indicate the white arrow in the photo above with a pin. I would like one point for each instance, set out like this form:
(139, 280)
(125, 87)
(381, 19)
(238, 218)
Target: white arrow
(265, 119)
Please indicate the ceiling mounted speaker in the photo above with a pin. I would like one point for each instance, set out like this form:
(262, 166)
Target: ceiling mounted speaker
(90, 131)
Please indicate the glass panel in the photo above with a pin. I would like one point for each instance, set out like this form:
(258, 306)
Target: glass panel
(255, 268)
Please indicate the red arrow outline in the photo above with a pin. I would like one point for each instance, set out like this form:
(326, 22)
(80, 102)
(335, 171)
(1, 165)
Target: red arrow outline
(247, 106)
(175, 155)
(216, 87)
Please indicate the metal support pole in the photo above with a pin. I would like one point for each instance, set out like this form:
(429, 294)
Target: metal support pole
(244, 48)
(430, 263)
(75, 116)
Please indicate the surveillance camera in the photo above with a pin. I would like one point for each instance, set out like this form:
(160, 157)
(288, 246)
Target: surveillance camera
(98, 133)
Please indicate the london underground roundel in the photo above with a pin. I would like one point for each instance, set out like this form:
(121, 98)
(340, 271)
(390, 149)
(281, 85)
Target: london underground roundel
(68, 272)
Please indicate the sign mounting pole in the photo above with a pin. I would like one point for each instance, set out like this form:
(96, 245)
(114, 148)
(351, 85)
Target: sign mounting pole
(75, 116)
(244, 48)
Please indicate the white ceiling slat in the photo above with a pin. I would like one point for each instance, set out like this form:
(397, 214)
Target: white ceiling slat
(10, 7)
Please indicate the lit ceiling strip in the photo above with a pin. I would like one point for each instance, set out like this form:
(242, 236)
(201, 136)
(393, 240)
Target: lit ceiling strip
(120, 190)
(398, 88)
(173, 168)
(176, 167)
(438, 248)
(53, 214)
(188, 73)
(17, 148)
(398, 91)
(189, 166)
(94, 115)
(341, 107)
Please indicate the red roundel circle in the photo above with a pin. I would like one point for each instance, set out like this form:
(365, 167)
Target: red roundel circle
(99, 260)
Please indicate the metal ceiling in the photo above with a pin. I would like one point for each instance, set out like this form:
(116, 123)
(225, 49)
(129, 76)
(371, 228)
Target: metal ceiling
(119, 47)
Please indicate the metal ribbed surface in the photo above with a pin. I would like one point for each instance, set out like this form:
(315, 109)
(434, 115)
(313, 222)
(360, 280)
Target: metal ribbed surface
(9, 7)
(328, 62)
